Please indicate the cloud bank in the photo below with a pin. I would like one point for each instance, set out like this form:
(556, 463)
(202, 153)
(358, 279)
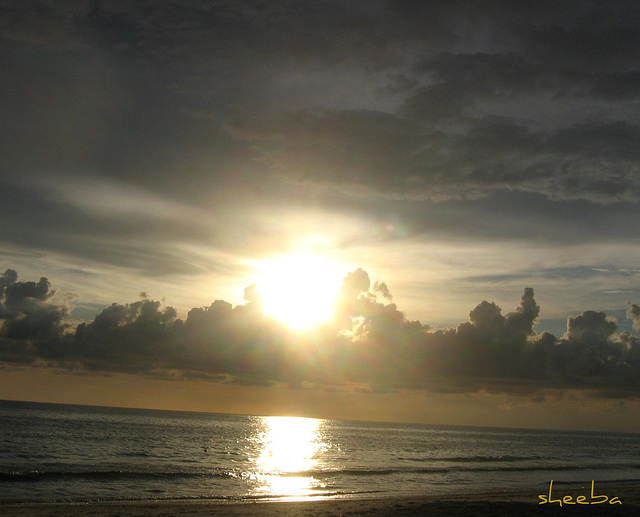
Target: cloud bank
(367, 345)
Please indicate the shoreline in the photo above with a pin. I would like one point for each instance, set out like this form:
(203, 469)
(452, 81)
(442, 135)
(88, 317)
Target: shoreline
(522, 503)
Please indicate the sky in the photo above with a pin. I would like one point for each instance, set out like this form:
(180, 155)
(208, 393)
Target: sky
(182, 182)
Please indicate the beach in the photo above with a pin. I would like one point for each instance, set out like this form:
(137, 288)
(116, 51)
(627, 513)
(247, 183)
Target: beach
(522, 503)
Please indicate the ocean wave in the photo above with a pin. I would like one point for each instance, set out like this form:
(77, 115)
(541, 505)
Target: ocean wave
(33, 476)
(474, 459)
(106, 475)
(225, 498)
(326, 473)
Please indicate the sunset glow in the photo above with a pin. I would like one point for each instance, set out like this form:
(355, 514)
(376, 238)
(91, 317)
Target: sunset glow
(390, 211)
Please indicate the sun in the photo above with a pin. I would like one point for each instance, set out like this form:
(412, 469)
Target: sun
(299, 290)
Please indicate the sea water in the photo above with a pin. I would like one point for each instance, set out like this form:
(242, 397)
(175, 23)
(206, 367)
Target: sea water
(52, 452)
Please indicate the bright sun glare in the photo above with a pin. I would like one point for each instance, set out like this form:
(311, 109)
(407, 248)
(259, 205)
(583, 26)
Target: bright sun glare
(288, 453)
(299, 290)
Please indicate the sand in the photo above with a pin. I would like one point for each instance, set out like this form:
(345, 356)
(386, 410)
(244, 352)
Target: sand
(462, 505)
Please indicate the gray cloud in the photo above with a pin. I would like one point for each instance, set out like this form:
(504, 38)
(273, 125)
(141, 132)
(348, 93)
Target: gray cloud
(509, 119)
(137, 132)
(159, 83)
(133, 337)
(368, 342)
(633, 313)
(590, 326)
(371, 154)
(226, 105)
(28, 318)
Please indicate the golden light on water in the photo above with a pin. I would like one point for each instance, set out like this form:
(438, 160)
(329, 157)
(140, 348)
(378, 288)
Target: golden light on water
(289, 446)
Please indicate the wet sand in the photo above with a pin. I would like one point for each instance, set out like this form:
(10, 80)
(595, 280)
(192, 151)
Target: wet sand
(461, 505)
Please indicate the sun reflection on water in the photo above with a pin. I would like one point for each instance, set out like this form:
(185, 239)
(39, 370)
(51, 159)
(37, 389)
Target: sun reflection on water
(288, 450)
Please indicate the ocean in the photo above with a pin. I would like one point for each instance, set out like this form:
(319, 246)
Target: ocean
(54, 452)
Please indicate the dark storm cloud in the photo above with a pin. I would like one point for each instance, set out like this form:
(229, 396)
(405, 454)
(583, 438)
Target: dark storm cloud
(208, 108)
(436, 100)
(132, 337)
(382, 155)
(502, 115)
(368, 343)
(136, 130)
(28, 318)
